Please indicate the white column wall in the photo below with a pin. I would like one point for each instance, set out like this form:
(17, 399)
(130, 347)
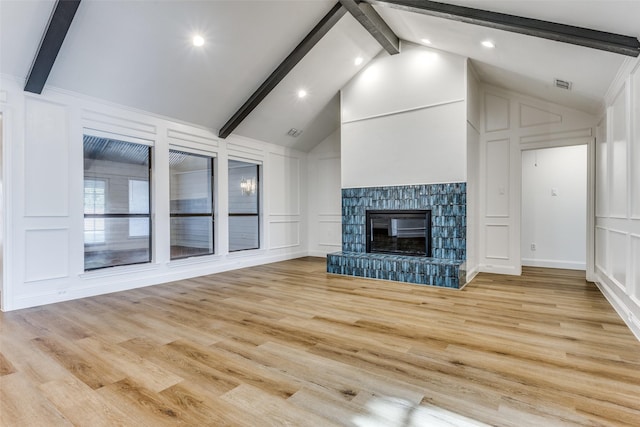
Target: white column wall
(45, 248)
(617, 261)
(324, 197)
(510, 124)
(473, 169)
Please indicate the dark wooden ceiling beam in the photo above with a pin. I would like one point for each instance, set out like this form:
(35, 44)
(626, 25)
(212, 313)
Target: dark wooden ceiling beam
(374, 24)
(314, 36)
(56, 31)
(610, 42)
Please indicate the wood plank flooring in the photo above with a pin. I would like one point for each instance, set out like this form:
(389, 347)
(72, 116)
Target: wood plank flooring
(288, 344)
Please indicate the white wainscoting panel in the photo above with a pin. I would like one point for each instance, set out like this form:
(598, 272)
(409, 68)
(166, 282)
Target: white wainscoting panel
(635, 145)
(117, 124)
(532, 116)
(497, 242)
(618, 162)
(190, 139)
(497, 179)
(496, 113)
(46, 159)
(635, 266)
(284, 175)
(618, 257)
(284, 234)
(601, 249)
(329, 202)
(330, 232)
(602, 181)
(46, 254)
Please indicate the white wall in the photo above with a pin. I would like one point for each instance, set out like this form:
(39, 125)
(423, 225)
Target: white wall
(618, 197)
(554, 207)
(510, 124)
(404, 120)
(45, 203)
(324, 197)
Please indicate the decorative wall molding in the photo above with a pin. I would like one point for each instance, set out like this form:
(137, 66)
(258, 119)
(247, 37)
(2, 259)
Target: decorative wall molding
(46, 254)
(497, 245)
(497, 113)
(623, 309)
(191, 139)
(46, 147)
(406, 110)
(534, 116)
(281, 236)
(572, 137)
(497, 180)
(117, 124)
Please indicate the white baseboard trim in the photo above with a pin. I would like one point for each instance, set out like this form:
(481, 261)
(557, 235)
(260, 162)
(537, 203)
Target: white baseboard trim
(472, 273)
(624, 311)
(500, 269)
(549, 263)
(161, 274)
(321, 254)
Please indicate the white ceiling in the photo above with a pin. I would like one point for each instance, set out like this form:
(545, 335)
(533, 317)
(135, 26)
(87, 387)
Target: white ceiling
(138, 53)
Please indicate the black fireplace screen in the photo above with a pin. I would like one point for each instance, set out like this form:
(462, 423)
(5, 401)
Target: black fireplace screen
(400, 232)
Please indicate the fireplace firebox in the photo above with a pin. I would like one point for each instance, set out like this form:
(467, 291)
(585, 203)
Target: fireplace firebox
(399, 232)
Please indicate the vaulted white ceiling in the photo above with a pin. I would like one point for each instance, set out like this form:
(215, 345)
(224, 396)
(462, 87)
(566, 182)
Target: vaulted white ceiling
(138, 53)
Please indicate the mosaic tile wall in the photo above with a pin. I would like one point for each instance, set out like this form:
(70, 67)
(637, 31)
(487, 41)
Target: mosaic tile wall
(448, 204)
(409, 269)
(446, 266)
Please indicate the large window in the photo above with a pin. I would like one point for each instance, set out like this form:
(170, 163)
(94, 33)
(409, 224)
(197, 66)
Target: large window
(244, 206)
(117, 221)
(192, 219)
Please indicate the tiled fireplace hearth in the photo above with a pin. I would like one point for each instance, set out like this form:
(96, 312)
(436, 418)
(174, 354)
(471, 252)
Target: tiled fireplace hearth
(445, 267)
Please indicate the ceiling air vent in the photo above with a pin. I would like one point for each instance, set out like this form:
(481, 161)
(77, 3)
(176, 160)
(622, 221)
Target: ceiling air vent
(562, 84)
(294, 132)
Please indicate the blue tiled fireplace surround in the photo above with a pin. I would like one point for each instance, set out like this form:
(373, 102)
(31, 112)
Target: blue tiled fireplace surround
(446, 267)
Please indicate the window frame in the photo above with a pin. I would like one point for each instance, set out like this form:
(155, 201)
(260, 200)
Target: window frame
(258, 214)
(211, 158)
(129, 140)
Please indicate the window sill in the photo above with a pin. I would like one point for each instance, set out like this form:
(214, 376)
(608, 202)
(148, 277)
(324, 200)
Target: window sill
(203, 259)
(118, 271)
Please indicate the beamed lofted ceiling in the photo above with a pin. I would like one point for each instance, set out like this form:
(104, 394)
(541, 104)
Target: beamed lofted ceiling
(138, 53)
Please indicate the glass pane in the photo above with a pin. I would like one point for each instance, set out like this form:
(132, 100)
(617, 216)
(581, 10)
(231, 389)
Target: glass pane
(191, 192)
(93, 230)
(190, 183)
(243, 233)
(243, 187)
(138, 227)
(116, 248)
(191, 236)
(94, 196)
(118, 172)
(138, 196)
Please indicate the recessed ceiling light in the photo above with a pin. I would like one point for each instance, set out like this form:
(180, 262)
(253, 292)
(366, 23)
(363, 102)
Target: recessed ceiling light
(489, 44)
(426, 41)
(302, 93)
(358, 60)
(198, 40)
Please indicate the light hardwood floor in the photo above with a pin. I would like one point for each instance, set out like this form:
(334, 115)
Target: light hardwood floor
(288, 344)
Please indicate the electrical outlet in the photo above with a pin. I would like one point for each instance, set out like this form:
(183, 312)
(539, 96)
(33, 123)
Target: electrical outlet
(533, 246)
